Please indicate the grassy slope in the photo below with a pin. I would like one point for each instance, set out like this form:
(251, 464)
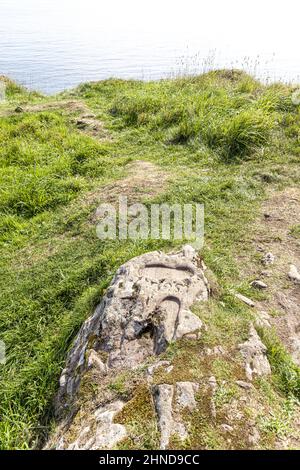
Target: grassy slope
(224, 138)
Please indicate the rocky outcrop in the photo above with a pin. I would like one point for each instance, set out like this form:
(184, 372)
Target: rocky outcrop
(254, 353)
(146, 307)
(169, 401)
(245, 300)
(268, 259)
(294, 274)
(99, 432)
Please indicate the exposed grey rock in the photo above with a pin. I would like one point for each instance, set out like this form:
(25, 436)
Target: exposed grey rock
(151, 369)
(263, 320)
(295, 348)
(193, 336)
(244, 299)
(254, 354)
(243, 384)
(215, 351)
(185, 394)
(268, 259)
(146, 306)
(95, 361)
(254, 437)
(226, 428)
(163, 399)
(257, 284)
(294, 274)
(102, 433)
(212, 382)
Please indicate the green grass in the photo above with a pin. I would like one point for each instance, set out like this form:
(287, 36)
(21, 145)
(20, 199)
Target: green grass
(295, 231)
(223, 137)
(286, 373)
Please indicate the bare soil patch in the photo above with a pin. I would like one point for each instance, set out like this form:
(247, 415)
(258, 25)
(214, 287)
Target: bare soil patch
(144, 180)
(273, 233)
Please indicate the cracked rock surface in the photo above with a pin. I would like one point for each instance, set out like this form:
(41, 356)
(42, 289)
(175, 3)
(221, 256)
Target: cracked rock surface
(168, 413)
(254, 353)
(146, 306)
(101, 432)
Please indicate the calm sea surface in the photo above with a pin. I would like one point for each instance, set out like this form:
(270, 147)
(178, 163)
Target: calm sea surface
(50, 45)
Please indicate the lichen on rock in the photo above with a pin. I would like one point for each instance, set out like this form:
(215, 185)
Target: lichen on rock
(254, 353)
(146, 307)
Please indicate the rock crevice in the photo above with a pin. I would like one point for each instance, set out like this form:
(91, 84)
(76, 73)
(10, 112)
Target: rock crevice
(146, 307)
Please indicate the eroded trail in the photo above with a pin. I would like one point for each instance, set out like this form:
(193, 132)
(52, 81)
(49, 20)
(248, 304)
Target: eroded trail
(276, 233)
(144, 180)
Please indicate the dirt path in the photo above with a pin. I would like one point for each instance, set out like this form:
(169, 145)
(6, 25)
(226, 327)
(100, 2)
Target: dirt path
(144, 180)
(274, 234)
(81, 116)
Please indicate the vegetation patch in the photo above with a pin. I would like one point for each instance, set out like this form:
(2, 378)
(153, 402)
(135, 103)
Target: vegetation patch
(223, 139)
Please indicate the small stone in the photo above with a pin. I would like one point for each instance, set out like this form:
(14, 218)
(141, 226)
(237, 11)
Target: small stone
(243, 384)
(226, 428)
(266, 273)
(89, 123)
(218, 351)
(192, 336)
(243, 399)
(95, 361)
(295, 347)
(189, 323)
(254, 353)
(185, 394)
(294, 274)
(62, 380)
(105, 434)
(254, 437)
(245, 299)
(206, 352)
(257, 284)
(189, 252)
(157, 365)
(268, 258)
(212, 382)
(131, 329)
(82, 123)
